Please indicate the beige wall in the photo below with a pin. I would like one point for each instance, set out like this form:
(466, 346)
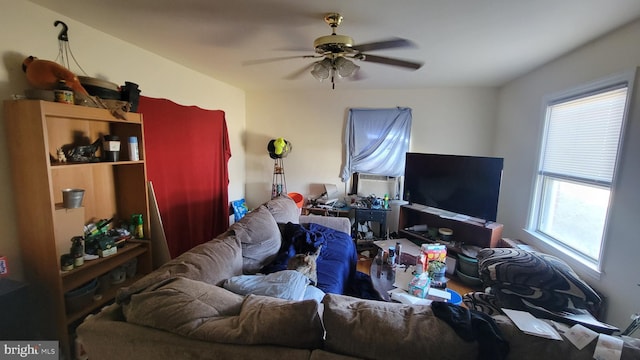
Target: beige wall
(476, 121)
(520, 115)
(29, 30)
(445, 120)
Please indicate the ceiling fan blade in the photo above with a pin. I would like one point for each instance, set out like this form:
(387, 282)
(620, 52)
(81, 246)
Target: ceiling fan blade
(268, 60)
(384, 44)
(391, 61)
(296, 74)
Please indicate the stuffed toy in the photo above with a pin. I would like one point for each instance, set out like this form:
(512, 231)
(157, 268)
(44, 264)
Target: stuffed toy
(45, 75)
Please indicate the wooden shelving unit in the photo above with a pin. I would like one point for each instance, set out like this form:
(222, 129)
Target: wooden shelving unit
(466, 231)
(35, 129)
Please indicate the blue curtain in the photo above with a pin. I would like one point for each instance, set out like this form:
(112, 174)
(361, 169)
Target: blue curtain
(376, 141)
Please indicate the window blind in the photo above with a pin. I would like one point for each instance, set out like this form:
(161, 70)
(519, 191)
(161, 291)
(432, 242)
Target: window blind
(583, 136)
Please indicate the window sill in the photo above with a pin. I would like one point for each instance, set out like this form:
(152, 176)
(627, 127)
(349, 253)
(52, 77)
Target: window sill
(577, 263)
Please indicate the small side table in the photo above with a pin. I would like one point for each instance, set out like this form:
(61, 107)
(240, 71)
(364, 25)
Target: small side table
(373, 215)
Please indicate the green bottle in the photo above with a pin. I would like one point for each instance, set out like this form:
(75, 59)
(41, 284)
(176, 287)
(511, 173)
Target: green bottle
(136, 221)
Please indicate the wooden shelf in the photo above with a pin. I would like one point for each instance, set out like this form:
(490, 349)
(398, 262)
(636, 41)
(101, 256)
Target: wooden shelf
(112, 190)
(105, 298)
(58, 166)
(465, 232)
(93, 268)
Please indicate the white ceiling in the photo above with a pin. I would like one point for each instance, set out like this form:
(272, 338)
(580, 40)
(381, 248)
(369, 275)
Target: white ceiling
(461, 42)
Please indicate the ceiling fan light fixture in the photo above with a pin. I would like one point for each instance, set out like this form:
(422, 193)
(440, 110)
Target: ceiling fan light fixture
(345, 67)
(322, 69)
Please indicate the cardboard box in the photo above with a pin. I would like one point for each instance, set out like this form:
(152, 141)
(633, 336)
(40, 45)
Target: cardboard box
(108, 252)
(419, 285)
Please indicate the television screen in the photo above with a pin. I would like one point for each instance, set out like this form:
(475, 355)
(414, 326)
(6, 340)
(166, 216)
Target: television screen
(467, 185)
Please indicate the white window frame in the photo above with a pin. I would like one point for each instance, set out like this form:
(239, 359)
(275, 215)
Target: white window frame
(595, 265)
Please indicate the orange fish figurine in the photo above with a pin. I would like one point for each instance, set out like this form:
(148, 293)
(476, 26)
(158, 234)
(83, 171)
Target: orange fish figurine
(45, 75)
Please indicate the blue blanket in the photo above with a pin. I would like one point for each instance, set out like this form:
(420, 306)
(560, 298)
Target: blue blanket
(336, 263)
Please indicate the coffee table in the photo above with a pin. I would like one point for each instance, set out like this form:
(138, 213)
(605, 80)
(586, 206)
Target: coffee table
(383, 275)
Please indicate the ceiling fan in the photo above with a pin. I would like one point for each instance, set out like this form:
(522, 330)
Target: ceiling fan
(338, 51)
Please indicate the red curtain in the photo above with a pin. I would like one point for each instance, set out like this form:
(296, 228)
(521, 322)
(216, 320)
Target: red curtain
(187, 152)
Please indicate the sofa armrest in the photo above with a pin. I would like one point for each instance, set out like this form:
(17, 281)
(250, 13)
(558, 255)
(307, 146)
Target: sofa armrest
(337, 223)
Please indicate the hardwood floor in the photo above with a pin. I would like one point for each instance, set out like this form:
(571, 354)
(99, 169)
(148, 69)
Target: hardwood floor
(364, 264)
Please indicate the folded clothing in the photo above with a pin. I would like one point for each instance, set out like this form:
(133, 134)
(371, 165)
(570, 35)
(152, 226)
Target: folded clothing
(285, 284)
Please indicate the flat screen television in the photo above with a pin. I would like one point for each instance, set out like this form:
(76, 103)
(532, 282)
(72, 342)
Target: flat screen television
(467, 185)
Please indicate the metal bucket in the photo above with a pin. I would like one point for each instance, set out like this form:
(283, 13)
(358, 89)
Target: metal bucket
(72, 198)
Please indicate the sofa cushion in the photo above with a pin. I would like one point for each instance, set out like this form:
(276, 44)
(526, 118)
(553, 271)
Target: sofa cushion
(379, 330)
(211, 262)
(260, 237)
(541, 279)
(267, 320)
(284, 210)
(180, 301)
(207, 312)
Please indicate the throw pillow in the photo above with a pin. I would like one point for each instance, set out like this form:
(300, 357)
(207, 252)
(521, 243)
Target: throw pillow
(267, 320)
(260, 238)
(381, 330)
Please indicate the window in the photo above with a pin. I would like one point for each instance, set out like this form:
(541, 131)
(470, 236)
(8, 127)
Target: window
(580, 146)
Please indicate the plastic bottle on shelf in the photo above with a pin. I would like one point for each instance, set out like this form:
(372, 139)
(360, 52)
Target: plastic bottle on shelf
(419, 266)
(421, 228)
(136, 221)
(134, 154)
(77, 251)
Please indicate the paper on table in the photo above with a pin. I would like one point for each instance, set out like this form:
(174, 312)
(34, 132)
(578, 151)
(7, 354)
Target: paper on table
(405, 298)
(608, 348)
(407, 246)
(580, 336)
(531, 325)
(576, 316)
(403, 278)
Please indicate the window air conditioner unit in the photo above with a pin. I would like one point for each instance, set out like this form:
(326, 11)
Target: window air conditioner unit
(378, 185)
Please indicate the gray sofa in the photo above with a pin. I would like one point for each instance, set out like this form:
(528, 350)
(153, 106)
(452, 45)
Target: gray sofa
(180, 311)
